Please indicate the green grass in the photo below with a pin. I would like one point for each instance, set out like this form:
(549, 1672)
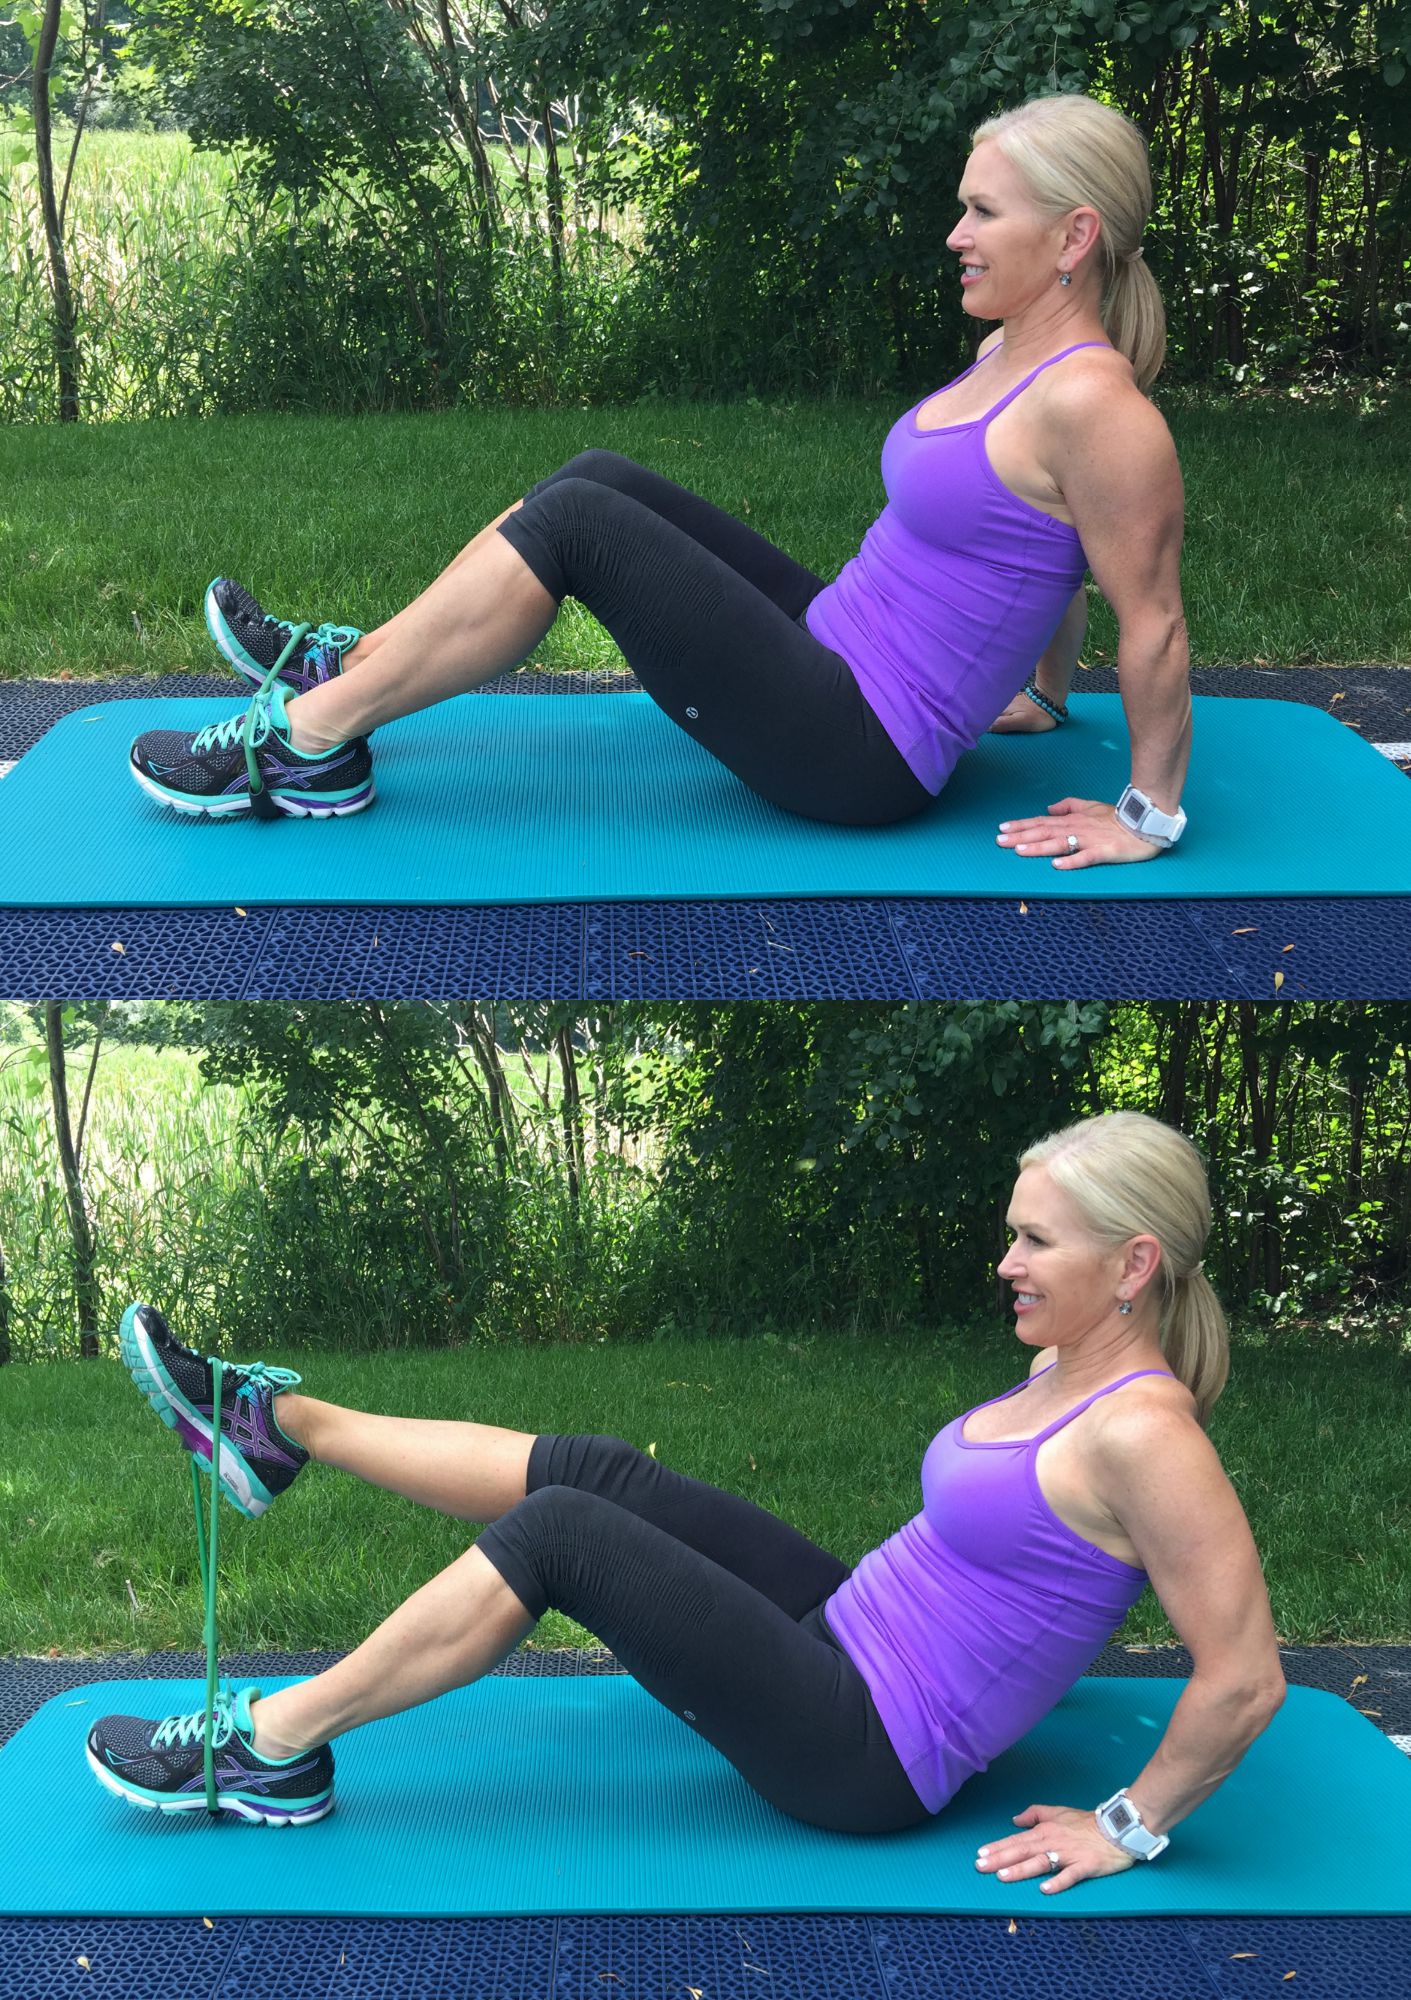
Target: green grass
(98, 1552)
(1298, 548)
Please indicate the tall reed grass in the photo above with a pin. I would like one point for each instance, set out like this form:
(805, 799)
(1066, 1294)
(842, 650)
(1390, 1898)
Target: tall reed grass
(194, 297)
(243, 1232)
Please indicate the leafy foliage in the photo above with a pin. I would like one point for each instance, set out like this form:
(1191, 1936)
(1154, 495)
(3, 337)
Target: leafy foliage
(587, 199)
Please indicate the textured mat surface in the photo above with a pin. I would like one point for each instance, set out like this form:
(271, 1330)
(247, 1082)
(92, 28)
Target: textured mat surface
(583, 1796)
(499, 799)
(960, 948)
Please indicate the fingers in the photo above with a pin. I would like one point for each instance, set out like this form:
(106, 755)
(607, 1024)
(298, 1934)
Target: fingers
(1021, 1868)
(1064, 1879)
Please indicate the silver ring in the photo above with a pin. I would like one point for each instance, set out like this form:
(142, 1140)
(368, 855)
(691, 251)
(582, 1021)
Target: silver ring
(1072, 843)
(1052, 1858)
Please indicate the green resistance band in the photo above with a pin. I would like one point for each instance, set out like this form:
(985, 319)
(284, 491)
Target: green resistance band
(261, 803)
(207, 1555)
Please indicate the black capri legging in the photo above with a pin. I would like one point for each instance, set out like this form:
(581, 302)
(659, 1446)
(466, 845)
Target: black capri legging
(716, 1607)
(709, 616)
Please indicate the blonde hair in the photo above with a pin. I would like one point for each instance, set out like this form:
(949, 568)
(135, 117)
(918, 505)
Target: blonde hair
(1076, 153)
(1130, 1175)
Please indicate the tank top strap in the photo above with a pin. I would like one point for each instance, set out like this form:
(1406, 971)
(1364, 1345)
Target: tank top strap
(1019, 387)
(1088, 1401)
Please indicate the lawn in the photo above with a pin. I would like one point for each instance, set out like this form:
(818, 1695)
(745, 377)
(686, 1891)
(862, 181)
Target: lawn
(1298, 548)
(98, 1547)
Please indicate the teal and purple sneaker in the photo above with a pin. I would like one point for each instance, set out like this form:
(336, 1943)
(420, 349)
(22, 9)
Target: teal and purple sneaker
(247, 764)
(161, 1766)
(257, 1461)
(254, 641)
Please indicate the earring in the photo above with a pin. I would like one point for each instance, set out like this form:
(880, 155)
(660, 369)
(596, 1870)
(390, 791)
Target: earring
(1124, 1306)
(1065, 277)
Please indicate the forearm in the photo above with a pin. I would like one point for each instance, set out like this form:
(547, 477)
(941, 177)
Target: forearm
(1210, 1729)
(1053, 673)
(1154, 671)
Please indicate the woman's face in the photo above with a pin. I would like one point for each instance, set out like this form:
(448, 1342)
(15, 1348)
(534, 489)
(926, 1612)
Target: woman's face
(1008, 254)
(1064, 1282)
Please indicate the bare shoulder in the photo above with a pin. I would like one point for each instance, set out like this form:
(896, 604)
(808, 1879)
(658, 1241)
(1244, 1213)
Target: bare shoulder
(1042, 1359)
(1151, 1424)
(1094, 394)
(990, 342)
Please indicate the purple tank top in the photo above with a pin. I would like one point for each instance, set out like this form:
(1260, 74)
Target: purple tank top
(957, 589)
(980, 1614)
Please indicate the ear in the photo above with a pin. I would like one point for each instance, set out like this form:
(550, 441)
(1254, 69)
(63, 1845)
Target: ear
(1141, 1262)
(1081, 235)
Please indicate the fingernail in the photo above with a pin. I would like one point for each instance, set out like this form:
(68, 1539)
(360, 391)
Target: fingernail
(982, 1852)
(1004, 1874)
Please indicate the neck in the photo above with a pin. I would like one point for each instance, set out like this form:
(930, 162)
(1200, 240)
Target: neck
(1047, 327)
(1112, 1348)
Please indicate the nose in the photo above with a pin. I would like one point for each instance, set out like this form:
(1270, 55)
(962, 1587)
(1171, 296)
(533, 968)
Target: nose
(958, 237)
(1008, 1265)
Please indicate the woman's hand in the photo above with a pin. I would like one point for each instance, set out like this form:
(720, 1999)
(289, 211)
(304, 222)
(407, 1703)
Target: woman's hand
(1022, 718)
(1083, 1851)
(1099, 835)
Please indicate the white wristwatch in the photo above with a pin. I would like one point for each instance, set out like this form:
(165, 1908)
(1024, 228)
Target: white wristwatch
(1136, 812)
(1119, 1819)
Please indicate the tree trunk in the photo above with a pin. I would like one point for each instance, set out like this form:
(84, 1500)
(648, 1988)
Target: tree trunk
(87, 1298)
(485, 1049)
(65, 322)
(571, 1114)
(555, 212)
(4, 1310)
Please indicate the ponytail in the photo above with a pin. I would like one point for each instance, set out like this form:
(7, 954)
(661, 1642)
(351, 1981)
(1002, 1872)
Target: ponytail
(1134, 319)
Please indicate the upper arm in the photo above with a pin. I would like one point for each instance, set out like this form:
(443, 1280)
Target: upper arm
(1115, 464)
(1165, 1484)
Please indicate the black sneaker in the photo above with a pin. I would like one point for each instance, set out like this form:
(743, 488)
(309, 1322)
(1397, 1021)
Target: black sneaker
(248, 764)
(162, 1765)
(257, 1461)
(253, 640)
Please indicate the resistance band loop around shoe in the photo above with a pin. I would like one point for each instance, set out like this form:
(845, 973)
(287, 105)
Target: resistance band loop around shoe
(207, 1558)
(260, 802)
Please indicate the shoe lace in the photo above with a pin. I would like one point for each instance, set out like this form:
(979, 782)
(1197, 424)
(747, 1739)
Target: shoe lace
(251, 728)
(185, 1729)
(341, 636)
(223, 735)
(259, 1375)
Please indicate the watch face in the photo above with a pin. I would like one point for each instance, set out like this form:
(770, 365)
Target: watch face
(1120, 1817)
(1130, 813)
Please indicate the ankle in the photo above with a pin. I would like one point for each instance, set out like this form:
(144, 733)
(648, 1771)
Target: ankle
(266, 1742)
(294, 1415)
(304, 737)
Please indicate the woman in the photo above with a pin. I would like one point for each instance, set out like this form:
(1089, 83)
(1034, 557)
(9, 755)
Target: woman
(849, 701)
(857, 1701)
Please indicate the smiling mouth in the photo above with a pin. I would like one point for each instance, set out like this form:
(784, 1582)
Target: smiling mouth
(1026, 1298)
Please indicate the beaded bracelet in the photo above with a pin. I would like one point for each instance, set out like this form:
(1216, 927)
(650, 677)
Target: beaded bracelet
(1054, 708)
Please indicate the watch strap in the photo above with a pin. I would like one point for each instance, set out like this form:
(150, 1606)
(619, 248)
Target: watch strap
(1136, 812)
(1120, 1822)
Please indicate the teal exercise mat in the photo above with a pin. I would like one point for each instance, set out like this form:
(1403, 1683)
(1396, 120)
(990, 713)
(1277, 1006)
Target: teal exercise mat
(583, 1796)
(543, 798)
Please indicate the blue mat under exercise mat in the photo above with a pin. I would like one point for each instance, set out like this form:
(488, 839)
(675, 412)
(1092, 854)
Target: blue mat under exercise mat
(522, 1797)
(535, 799)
